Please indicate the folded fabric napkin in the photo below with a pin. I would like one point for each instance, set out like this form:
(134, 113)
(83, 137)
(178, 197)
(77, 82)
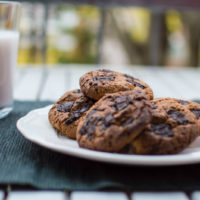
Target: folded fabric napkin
(25, 163)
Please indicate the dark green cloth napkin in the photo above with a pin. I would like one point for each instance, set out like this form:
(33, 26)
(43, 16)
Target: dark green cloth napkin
(25, 163)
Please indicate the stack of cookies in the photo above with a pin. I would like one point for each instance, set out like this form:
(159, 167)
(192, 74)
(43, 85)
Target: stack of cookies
(115, 112)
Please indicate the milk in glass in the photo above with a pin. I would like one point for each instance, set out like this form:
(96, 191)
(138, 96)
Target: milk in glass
(8, 59)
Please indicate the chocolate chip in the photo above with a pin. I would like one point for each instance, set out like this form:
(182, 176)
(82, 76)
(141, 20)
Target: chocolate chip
(85, 108)
(178, 116)
(89, 126)
(122, 105)
(130, 81)
(75, 115)
(77, 91)
(65, 107)
(154, 106)
(136, 84)
(164, 130)
(92, 112)
(196, 113)
(106, 70)
(120, 99)
(127, 122)
(128, 76)
(69, 121)
(183, 102)
(139, 91)
(90, 83)
(107, 121)
(104, 78)
(91, 130)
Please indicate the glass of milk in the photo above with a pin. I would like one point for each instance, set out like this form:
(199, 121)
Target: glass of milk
(9, 37)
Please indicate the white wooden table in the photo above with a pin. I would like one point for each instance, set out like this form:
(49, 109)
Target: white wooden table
(36, 83)
(33, 83)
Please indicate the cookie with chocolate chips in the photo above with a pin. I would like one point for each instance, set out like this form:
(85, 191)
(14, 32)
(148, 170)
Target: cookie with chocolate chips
(195, 109)
(114, 121)
(190, 105)
(173, 127)
(66, 113)
(96, 84)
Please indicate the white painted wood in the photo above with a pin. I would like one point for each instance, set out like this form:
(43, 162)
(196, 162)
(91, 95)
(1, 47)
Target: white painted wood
(151, 76)
(195, 195)
(56, 84)
(98, 196)
(29, 84)
(37, 195)
(17, 76)
(157, 78)
(165, 82)
(62, 79)
(159, 196)
(1, 195)
(75, 74)
(191, 77)
(179, 87)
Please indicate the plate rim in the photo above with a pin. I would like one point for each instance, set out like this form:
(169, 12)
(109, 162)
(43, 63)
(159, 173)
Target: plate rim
(107, 157)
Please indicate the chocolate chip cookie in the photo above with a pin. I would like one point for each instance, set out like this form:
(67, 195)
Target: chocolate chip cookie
(190, 105)
(195, 109)
(114, 121)
(96, 84)
(65, 114)
(173, 127)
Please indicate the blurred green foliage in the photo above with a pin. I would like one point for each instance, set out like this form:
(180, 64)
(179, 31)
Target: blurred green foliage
(72, 35)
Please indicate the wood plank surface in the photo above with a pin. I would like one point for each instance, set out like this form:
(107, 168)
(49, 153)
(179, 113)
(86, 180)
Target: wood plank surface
(28, 85)
(1, 195)
(195, 195)
(56, 84)
(37, 195)
(176, 83)
(98, 196)
(159, 196)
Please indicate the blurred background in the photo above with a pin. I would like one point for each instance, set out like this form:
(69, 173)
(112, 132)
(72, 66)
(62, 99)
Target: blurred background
(59, 34)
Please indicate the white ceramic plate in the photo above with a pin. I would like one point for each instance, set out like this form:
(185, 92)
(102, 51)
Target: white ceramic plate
(36, 128)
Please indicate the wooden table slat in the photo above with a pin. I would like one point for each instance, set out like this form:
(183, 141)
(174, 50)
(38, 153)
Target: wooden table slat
(98, 196)
(37, 195)
(76, 73)
(28, 87)
(176, 83)
(191, 77)
(159, 196)
(1, 195)
(18, 74)
(154, 80)
(180, 83)
(195, 195)
(56, 84)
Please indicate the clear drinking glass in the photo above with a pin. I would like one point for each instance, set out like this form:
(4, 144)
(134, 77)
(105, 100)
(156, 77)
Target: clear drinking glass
(9, 38)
